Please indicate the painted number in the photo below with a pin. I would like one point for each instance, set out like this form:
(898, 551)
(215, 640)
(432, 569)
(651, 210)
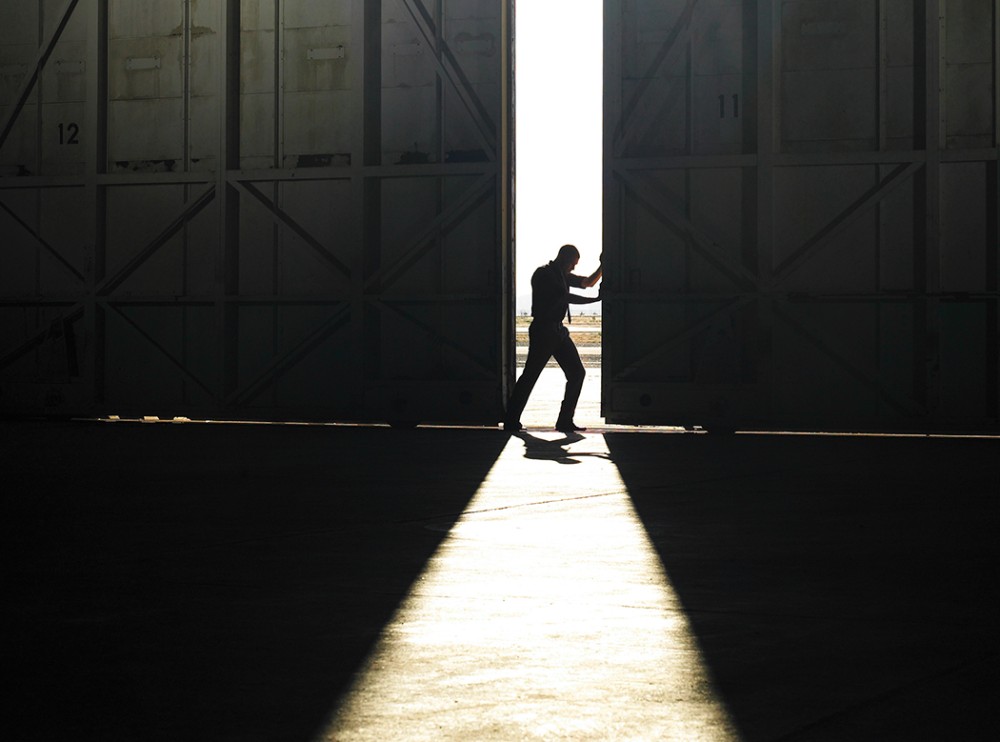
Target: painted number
(736, 106)
(69, 133)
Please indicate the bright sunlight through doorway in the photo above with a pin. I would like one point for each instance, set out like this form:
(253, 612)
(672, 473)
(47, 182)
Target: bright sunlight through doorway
(559, 87)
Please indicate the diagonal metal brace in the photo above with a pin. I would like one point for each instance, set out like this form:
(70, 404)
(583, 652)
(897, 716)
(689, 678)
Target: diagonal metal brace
(449, 68)
(282, 218)
(868, 378)
(424, 240)
(28, 84)
(684, 335)
(633, 124)
(189, 211)
(280, 365)
(867, 201)
(384, 305)
(42, 242)
(40, 337)
(675, 219)
(166, 353)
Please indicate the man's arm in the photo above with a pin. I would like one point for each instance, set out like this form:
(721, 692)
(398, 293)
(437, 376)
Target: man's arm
(593, 277)
(576, 299)
(585, 282)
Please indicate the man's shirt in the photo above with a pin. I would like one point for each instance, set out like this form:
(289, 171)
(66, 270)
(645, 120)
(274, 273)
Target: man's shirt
(550, 292)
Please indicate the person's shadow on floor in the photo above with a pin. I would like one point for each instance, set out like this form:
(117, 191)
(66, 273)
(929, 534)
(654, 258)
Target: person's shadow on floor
(546, 450)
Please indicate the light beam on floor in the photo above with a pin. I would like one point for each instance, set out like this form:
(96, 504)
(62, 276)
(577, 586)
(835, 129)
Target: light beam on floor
(545, 613)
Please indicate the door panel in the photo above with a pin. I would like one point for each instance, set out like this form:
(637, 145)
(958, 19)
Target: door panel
(275, 209)
(823, 254)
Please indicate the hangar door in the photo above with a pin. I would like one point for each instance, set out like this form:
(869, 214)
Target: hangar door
(801, 213)
(275, 209)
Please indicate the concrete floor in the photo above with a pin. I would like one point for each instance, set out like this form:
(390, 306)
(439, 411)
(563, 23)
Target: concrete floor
(247, 582)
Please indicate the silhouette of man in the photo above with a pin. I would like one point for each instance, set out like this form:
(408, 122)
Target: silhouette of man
(548, 337)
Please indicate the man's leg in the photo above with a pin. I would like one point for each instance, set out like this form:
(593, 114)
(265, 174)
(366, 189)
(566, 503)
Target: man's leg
(539, 352)
(568, 358)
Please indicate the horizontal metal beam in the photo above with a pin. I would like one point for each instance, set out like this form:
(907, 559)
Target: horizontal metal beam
(66, 300)
(686, 162)
(274, 175)
(889, 157)
(811, 159)
(411, 298)
(657, 298)
(440, 170)
(443, 170)
(846, 159)
(35, 182)
(430, 170)
(138, 179)
(653, 297)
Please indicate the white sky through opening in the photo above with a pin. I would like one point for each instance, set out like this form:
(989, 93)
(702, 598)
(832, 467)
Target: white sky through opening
(559, 90)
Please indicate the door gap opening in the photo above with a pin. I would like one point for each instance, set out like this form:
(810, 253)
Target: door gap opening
(559, 153)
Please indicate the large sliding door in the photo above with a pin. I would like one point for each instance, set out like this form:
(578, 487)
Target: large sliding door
(801, 214)
(278, 209)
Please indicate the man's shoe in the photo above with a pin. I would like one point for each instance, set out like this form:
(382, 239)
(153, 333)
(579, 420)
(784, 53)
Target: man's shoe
(564, 426)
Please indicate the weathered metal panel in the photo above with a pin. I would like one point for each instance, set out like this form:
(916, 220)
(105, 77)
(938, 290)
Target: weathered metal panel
(317, 70)
(258, 54)
(336, 246)
(828, 61)
(969, 52)
(830, 258)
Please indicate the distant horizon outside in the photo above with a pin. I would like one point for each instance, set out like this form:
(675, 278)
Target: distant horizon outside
(559, 108)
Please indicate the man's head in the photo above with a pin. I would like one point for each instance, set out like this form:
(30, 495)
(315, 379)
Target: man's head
(567, 258)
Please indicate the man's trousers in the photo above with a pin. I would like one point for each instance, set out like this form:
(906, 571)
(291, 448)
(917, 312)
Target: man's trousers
(547, 340)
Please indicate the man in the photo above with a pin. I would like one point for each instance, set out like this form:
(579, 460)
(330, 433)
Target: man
(548, 337)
